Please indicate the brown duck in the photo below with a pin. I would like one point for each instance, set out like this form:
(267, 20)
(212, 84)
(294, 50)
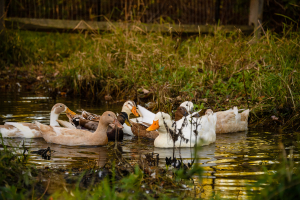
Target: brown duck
(82, 123)
(74, 137)
(139, 128)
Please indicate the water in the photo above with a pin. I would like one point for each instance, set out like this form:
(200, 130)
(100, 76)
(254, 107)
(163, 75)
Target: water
(233, 162)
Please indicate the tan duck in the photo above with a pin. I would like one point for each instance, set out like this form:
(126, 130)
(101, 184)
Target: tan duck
(74, 137)
(229, 121)
(139, 129)
(30, 130)
(89, 121)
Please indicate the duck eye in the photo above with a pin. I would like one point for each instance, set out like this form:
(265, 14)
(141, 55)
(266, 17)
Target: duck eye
(60, 106)
(108, 114)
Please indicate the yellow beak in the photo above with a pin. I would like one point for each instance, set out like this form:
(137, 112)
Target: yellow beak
(127, 122)
(133, 110)
(154, 126)
(68, 111)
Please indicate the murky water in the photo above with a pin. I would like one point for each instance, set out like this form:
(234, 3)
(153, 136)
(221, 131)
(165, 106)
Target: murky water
(231, 164)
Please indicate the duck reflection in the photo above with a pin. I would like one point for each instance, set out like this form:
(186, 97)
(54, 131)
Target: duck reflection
(204, 154)
(63, 156)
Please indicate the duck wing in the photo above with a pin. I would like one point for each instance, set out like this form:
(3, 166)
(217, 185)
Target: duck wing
(66, 124)
(139, 130)
(90, 116)
(88, 124)
(146, 115)
(15, 129)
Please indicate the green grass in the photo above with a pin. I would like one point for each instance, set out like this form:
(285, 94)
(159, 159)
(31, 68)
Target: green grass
(206, 69)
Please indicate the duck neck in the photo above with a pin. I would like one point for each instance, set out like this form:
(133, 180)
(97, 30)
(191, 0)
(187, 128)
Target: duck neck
(53, 118)
(100, 132)
(122, 117)
(164, 129)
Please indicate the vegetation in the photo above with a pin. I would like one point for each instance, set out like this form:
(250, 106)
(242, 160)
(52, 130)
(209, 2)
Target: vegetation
(117, 181)
(283, 182)
(218, 71)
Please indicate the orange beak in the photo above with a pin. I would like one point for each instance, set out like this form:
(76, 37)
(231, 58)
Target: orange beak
(70, 112)
(117, 123)
(154, 126)
(133, 110)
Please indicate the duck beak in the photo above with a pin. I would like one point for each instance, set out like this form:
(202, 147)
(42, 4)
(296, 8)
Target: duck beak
(127, 122)
(185, 113)
(70, 112)
(133, 110)
(192, 109)
(117, 123)
(154, 126)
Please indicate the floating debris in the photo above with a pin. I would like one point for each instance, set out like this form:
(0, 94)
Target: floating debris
(152, 159)
(45, 153)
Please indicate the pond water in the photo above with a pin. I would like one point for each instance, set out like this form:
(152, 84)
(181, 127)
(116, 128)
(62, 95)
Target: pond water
(233, 162)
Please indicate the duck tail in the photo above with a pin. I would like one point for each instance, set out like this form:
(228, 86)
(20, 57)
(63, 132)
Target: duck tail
(245, 115)
(237, 115)
(44, 128)
(18, 130)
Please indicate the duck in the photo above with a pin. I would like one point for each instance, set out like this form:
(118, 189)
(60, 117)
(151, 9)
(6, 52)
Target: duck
(30, 130)
(75, 137)
(188, 105)
(228, 121)
(145, 118)
(183, 132)
(90, 121)
(231, 120)
(139, 129)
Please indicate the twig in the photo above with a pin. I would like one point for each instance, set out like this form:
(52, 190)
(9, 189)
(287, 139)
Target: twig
(45, 190)
(245, 89)
(262, 27)
(116, 141)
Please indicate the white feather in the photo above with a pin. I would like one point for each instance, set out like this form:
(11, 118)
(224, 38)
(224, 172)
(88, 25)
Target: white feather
(23, 131)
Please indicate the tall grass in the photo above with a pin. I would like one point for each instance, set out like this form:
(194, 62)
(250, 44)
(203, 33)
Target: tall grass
(207, 69)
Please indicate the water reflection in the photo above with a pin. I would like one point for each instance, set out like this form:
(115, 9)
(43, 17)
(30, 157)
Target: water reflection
(63, 156)
(230, 164)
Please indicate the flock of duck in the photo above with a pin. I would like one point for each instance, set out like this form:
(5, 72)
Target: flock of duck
(188, 128)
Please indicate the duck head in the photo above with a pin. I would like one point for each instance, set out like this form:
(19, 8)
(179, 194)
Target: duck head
(188, 105)
(130, 107)
(61, 108)
(56, 110)
(159, 122)
(180, 112)
(124, 117)
(110, 118)
(209, 112)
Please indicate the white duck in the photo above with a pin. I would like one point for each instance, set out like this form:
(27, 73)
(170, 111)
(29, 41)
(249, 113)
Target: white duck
(30, 130)
(228, 121)
(205, 126)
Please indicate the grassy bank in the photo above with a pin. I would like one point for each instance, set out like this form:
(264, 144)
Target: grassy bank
(211, 70)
